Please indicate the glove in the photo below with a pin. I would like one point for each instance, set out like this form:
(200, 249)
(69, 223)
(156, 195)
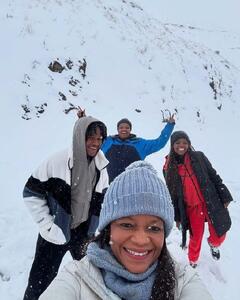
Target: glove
(179, 225)
(51, 232)
(226, 204)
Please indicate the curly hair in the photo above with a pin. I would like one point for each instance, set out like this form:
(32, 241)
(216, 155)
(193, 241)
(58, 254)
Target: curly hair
(165, 281)
(91, 130)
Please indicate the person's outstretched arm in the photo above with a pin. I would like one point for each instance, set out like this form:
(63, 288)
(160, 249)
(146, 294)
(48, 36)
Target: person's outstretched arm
(147, 147)
(221, 188)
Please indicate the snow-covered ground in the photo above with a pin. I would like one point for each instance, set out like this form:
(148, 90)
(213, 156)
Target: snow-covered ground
(137, 67)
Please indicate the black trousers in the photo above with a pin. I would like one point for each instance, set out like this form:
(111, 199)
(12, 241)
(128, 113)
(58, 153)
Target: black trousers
(48, 258)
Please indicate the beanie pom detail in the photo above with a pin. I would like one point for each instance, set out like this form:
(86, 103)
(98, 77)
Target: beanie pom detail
(141, 164)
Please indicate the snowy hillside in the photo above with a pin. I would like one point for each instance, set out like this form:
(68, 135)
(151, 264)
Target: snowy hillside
(115, 60)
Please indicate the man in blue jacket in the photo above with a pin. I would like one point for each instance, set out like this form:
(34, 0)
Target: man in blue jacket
(124, 148)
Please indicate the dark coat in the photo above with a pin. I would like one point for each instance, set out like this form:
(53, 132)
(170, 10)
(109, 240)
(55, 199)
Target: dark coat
(215, 194)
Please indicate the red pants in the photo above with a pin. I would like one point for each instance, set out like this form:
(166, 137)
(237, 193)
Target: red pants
(197, 216)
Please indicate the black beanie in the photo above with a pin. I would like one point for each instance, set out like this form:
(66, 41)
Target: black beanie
(124, 120)
(179, 135)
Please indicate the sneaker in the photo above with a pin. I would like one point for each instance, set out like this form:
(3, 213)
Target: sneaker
(215, 252)
(193, 264)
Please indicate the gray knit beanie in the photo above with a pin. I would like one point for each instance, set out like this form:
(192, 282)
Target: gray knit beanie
(137, 191)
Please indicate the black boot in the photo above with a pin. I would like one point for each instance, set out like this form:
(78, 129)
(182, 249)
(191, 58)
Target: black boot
(193, 264)
(215, 252)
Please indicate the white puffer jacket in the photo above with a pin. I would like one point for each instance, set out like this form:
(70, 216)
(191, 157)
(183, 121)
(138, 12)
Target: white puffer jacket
(49, 185)
(80, 280)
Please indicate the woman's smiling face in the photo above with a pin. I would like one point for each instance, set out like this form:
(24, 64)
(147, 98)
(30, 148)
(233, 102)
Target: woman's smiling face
(137, 241)
(181, 146)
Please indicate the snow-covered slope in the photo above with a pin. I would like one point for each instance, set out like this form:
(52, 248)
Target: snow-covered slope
(113, 59)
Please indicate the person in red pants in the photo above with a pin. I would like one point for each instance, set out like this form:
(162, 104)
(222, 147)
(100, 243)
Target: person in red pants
(198, 195)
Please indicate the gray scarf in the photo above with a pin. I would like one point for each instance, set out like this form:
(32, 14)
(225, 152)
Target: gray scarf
(126, 285)
(83, 173)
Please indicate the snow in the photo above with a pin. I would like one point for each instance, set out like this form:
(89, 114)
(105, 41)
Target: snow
(137, 66)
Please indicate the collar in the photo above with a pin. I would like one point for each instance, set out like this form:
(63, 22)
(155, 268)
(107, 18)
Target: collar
(100, 160)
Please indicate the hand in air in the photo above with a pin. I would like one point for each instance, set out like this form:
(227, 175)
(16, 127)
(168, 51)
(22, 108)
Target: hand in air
(81, 113)
(171, 119)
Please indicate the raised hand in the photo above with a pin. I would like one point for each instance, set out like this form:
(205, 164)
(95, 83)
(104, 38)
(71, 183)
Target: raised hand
(81, 112)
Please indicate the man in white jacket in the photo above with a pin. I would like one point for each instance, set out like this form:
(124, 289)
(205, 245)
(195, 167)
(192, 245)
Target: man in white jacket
(64, 196)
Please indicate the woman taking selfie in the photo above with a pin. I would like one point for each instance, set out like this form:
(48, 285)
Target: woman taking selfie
(129, 258)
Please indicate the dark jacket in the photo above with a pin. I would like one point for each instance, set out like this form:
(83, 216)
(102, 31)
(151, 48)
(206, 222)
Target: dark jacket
(215, 194)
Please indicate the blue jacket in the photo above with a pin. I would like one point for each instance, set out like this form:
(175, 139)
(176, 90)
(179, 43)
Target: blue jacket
(121, 153)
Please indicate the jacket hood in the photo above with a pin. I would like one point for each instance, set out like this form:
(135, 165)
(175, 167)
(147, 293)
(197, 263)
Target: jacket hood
(83, 173)
(79, 133)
